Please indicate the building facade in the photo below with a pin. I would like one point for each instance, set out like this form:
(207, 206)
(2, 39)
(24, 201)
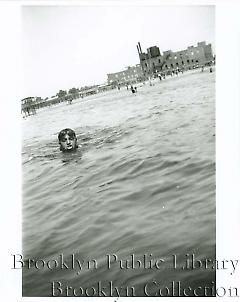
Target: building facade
(28, 106)
(153, 62)
(130, 75)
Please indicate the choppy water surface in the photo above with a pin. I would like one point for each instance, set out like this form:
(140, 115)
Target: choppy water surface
(142, 182)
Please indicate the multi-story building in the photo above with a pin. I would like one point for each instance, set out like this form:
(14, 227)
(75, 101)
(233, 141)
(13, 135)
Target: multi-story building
(153, 62)
(128, 76)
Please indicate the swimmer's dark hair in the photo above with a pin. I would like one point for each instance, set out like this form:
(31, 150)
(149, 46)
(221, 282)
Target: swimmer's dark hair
(62, 133)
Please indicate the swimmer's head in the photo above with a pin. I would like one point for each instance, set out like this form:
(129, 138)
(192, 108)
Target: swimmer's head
(67, 140)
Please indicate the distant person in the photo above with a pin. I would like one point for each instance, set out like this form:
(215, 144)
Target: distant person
(211, 70)
(202, 70)
(160, 78)
(132, 89)
(67, 140)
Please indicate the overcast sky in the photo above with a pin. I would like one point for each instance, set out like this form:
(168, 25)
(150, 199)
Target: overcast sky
(74, 46)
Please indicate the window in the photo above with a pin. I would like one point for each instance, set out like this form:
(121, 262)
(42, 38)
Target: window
(166, 66)
(177, 64)
(192, 61)
(182, 63)
(172, 65)
(159, 61)
(188, 61)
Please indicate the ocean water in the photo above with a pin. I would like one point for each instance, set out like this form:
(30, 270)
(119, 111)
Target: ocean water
(140, 188)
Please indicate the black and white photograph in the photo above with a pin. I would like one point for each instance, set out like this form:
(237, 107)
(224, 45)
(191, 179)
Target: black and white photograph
(118, 151)
(120, 154)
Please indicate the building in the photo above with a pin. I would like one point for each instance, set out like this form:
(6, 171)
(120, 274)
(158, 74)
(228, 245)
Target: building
(28, 106)
(153, 62)
(130, 75)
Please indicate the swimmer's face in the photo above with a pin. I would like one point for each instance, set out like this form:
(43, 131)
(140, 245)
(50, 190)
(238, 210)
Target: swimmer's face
(67, 140)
